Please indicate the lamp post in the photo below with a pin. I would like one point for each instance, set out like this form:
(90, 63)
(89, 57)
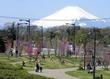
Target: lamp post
(84, 55)
(74, 37)
(86, 40)
(94, 53)
(28, 29)
(13, 34)
(42, 36)
(17, 39)
(29, 37)
(17, 31)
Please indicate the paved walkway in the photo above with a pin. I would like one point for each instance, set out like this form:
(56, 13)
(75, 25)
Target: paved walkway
(55, 73)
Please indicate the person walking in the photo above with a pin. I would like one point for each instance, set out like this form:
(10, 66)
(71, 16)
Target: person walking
(89, 68)
(37, 66)
(40, 66)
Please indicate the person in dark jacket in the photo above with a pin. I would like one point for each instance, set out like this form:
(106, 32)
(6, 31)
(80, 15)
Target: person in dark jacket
(37, 66)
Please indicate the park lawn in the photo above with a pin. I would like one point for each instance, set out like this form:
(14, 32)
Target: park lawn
(49, 63)
(13, 58)
(9, 71)
(82, 74)
(54, 62)
(74, 60)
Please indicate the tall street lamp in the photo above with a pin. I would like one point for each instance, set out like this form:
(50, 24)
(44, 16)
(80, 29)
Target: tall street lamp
(74, 37)
(85, 51)
(29, 37)
(28, 29)
(17, 37)
(94, 53)
(13, 34)
(42, 37)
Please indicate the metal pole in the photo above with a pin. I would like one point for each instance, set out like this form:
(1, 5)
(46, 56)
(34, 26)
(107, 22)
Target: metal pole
(94, 54)
(17, 31)
(13, 33)
(28, 30)
(17, 37)
(42, 38)
(85, 51)
(74, 37)
(85, 55)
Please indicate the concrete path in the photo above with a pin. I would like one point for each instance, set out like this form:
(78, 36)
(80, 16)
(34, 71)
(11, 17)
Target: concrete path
(55, 73)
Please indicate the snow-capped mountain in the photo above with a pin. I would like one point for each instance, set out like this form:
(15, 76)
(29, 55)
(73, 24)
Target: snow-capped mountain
(69, 14)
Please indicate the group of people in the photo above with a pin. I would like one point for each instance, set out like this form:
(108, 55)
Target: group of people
(38, 67)
(89, 68)
(13, 52)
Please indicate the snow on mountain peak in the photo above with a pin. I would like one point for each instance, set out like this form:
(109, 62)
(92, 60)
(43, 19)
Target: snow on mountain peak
(66, 15)
(76, 12)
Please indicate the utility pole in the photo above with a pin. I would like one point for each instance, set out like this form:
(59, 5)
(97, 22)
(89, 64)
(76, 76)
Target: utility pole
(74, 37)
(17, 39)
(84, 55)
(94, 53)
(13, 34)
(42, 37)
(28, 29)
(28, 35)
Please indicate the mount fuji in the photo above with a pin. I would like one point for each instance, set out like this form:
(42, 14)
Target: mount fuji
(69, 14)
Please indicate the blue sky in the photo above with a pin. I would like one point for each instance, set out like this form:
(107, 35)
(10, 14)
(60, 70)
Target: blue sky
(41, 8)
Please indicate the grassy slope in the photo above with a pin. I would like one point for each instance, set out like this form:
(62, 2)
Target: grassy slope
(50, 63)
(9, 71)
(84, 74)
(55, 63)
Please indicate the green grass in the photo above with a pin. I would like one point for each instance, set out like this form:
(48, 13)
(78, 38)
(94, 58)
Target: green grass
(9, 71)
(75, 61)
(82, 74)
(13, 59)
(54, 62)
(49, 63)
